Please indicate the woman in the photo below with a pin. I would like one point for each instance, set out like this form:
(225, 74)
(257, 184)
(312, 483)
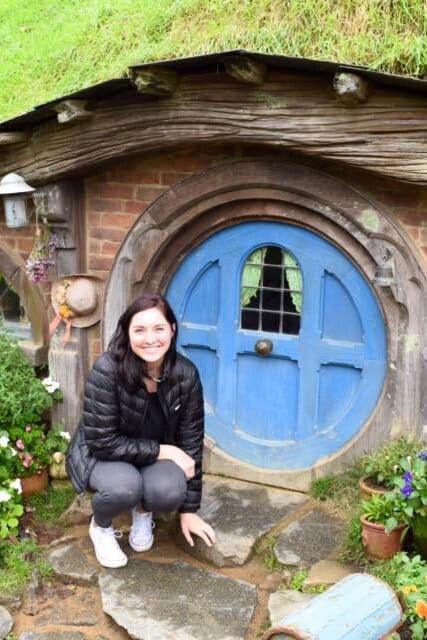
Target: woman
(139, 442)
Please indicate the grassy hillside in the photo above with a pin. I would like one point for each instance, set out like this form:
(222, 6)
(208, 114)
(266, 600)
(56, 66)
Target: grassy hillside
(50, 48)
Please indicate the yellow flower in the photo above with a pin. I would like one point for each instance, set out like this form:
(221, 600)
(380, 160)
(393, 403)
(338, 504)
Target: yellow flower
(409, 588)
(421, 609)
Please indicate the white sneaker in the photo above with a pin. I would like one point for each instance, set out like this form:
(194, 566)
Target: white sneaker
(141, 532)
(107, 549)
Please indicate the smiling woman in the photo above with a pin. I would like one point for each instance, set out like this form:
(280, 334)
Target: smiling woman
(140, 440)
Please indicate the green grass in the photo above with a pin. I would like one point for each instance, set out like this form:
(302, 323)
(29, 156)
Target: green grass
(50, 505)
(265, 551)
(49, 49)
(17, 562)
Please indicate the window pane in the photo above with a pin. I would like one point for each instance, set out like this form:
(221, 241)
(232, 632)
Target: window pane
(271, 282)
(10, 304)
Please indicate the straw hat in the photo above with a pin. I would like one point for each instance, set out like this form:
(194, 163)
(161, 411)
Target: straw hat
(78, 298)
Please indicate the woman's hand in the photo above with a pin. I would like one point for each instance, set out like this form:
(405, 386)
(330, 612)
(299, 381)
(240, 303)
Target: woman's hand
(177, 455)
(192, 523)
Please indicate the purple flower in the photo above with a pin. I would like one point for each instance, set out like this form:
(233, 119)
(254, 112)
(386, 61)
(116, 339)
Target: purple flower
(422, 455)
(408, 477)
(406, 491)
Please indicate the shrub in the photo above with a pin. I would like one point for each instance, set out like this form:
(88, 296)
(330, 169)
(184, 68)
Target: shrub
(23, 398)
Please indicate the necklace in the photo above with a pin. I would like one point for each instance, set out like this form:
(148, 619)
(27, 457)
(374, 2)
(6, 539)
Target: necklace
(153, 378)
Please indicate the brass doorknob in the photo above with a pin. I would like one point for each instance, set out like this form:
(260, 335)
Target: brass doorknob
(263, 347)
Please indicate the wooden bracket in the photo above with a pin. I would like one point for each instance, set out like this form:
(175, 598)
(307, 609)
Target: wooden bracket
(13, 137)
(246, 70)
(154, 81)
(350, 88)
(71, 111)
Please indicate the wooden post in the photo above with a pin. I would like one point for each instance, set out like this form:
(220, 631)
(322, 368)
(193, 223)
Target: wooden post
(68, 363)
(350, 88)
(155, 81)
(246, 70)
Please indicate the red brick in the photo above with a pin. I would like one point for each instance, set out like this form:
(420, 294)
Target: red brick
(108, 233)
(117, 190)
(122, 220)
(147, 193)
(100, 262)
(190, 163)
(94, 246)
(412, 217)
(94, 219)
(414, 232)
(105, 204)
(134, 206)
(170, 177)
(110, 248)
(24, 244)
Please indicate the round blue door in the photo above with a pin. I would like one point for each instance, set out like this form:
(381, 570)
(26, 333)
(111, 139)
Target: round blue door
(288, 338)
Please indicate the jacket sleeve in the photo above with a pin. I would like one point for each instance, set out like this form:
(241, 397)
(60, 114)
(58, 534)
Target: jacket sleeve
(190, 434)
(101, 420)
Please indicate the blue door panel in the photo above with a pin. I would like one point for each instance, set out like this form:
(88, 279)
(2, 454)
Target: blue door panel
(260, 419)
(318, 387)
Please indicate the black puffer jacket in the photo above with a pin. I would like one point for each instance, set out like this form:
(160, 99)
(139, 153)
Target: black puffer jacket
(112, 424)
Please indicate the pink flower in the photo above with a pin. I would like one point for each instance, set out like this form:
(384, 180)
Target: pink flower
(20, 444)
(28, 428)
(27, 461)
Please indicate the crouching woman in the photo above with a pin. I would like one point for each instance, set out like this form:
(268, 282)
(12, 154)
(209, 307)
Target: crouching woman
(139, 443)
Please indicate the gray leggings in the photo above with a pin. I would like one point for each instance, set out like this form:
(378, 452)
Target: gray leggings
(119, 486)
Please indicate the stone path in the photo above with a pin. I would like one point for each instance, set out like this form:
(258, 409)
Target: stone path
(175, 592)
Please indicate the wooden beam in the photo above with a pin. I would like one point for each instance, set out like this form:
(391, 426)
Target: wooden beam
(244, 69)
(387, 137)
(13, 137)
(71, 111)
(350, 88)
(156, 81)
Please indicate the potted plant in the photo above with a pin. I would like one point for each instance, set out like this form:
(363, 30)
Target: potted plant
(31, 459)
(380, 467)
(411, 489)
(383, 526)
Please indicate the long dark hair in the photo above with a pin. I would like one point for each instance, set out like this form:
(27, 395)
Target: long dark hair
(131, 369)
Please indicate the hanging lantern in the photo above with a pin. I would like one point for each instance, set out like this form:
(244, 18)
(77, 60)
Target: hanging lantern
(15, 192)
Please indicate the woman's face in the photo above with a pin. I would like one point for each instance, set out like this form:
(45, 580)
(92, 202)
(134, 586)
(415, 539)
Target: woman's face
(150, 335)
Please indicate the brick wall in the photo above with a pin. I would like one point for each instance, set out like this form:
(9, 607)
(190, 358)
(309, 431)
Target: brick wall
(118, 195)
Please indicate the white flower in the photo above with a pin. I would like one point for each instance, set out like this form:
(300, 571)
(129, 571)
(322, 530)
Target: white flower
(50, 385)
(16, 484)
(65, 435)
(4, 441)
(4, 495)
(13, 451)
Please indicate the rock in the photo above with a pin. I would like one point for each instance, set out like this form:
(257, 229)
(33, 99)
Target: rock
(282, 603)
(271, 581)
(52, 635)
(70, 563)
(326, 573)
(11, 601)
(310, 538)
(79, 611)
(79, 512)
(240, 512)
(6, 622)
(178, 601)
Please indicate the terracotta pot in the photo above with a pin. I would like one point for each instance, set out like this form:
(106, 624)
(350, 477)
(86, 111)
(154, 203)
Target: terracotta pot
(367, 490)
(36, 483)
(419, 531)
(378, 544)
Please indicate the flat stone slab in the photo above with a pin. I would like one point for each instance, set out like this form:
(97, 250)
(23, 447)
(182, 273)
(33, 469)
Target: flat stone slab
(282, 603)
(176, 602)
(52, 635)
(69, 562)
(326, 573)
(240, 512)
(79, 610)
(310, 538)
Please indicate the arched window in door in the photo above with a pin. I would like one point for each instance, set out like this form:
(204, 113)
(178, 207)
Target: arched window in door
(271, 292)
